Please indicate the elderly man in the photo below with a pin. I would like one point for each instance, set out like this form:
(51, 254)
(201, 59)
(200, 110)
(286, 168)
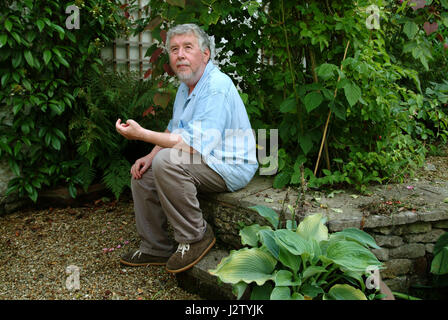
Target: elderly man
(208, 146)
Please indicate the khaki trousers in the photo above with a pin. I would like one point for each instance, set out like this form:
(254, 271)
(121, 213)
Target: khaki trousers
(168, 191)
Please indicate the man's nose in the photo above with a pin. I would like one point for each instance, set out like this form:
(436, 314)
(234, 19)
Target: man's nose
(181, 53)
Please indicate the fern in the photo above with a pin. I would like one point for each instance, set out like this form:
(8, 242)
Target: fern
(103, 152)
(116, 177)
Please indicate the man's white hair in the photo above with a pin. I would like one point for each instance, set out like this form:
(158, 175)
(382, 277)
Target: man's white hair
(203, 38)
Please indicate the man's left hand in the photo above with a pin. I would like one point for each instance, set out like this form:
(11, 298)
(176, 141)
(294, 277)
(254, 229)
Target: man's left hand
(131, 130)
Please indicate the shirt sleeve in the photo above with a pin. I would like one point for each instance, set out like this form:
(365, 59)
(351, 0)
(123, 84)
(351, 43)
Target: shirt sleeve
(170, 126)
(204, 132)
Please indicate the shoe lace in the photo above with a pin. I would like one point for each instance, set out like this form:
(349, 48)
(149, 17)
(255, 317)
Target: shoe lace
(138, 252)
(182, 248)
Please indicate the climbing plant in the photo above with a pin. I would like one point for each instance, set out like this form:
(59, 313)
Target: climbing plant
(340, 80)
(43, 62)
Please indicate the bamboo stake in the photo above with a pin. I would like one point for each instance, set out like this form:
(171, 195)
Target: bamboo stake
(329, 114)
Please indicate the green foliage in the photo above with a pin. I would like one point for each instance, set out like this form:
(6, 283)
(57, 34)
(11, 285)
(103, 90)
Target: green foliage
(42, 67)
(303, 262)
(385, 102)
(103, 99)
(439, 265)
(287, 58)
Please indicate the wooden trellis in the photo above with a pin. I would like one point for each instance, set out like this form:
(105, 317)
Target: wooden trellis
(129, 53)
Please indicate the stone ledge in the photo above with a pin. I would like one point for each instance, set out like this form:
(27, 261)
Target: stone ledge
(227, 212)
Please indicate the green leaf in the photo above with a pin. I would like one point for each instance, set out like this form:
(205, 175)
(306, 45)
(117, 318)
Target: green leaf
(239, 288)
(345, 292)
(281, 179)
(40, 25)
(357, 235)
(312, 270)
(326, 71)
(312, 227)
(410, 29)
(352, 93)
(47, 56)
(284, 278)
(281, 293)
(249, 235)
(64, 62)
(261, 293)
(8, 25)
(311, 290)
(312, 101)
(439, 264)
(29, 57)
(288, 259)
(351, 256)
(3, 39)
(268, 213)
(267, 238)
(444, 3)
(248, 265)
(306, 143)
(288, 105)
(441, 243)
(292, 242)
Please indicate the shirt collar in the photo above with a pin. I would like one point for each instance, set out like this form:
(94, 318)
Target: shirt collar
(208, 68)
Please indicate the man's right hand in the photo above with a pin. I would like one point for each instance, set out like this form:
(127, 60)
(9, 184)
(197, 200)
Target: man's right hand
(140, 166)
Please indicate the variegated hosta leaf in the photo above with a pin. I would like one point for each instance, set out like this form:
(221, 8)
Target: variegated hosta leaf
(344, 292)
(248, 265)
(267, 238)
(239, 288)
(281, 293)
(351, 256)
(356, 235)
(292, 242)
(249, 235)
(268, 213)
(284, 278)
(313, 227)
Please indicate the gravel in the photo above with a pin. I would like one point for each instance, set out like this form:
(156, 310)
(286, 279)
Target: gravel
(42, 252)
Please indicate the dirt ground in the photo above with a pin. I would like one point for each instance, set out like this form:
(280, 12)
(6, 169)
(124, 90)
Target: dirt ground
(44, 252)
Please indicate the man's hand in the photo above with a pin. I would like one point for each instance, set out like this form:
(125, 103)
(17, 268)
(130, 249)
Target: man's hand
(140, 166)
(131, 130)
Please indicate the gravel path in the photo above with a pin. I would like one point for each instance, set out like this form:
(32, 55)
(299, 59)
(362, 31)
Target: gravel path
(38, 246)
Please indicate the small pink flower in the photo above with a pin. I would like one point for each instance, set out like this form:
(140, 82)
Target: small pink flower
(119, 246)
(126, 242)
(410, 187)
(111, 249)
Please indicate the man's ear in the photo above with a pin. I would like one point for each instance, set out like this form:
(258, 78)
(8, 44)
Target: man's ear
(206, 55)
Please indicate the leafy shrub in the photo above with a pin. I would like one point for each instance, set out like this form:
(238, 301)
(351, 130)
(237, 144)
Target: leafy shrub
(103, 99)
(42, 67)
(288, 60)
(300, 262)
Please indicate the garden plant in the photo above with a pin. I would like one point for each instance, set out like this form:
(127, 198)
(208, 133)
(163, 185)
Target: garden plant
(301, 261)
(356, 89)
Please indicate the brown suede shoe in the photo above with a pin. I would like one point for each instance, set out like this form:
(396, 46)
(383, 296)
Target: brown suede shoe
(188, 254)
(137, 258)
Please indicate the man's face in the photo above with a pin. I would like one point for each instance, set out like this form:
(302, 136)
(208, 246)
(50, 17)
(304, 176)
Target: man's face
(186, 58)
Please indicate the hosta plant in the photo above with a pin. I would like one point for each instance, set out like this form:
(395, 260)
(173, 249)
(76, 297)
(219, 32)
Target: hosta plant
(301, 261)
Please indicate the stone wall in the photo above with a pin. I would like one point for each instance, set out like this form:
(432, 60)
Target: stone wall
(406, 251)
(406, 237)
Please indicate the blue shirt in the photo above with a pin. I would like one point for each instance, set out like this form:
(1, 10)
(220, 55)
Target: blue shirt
(214, 121)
